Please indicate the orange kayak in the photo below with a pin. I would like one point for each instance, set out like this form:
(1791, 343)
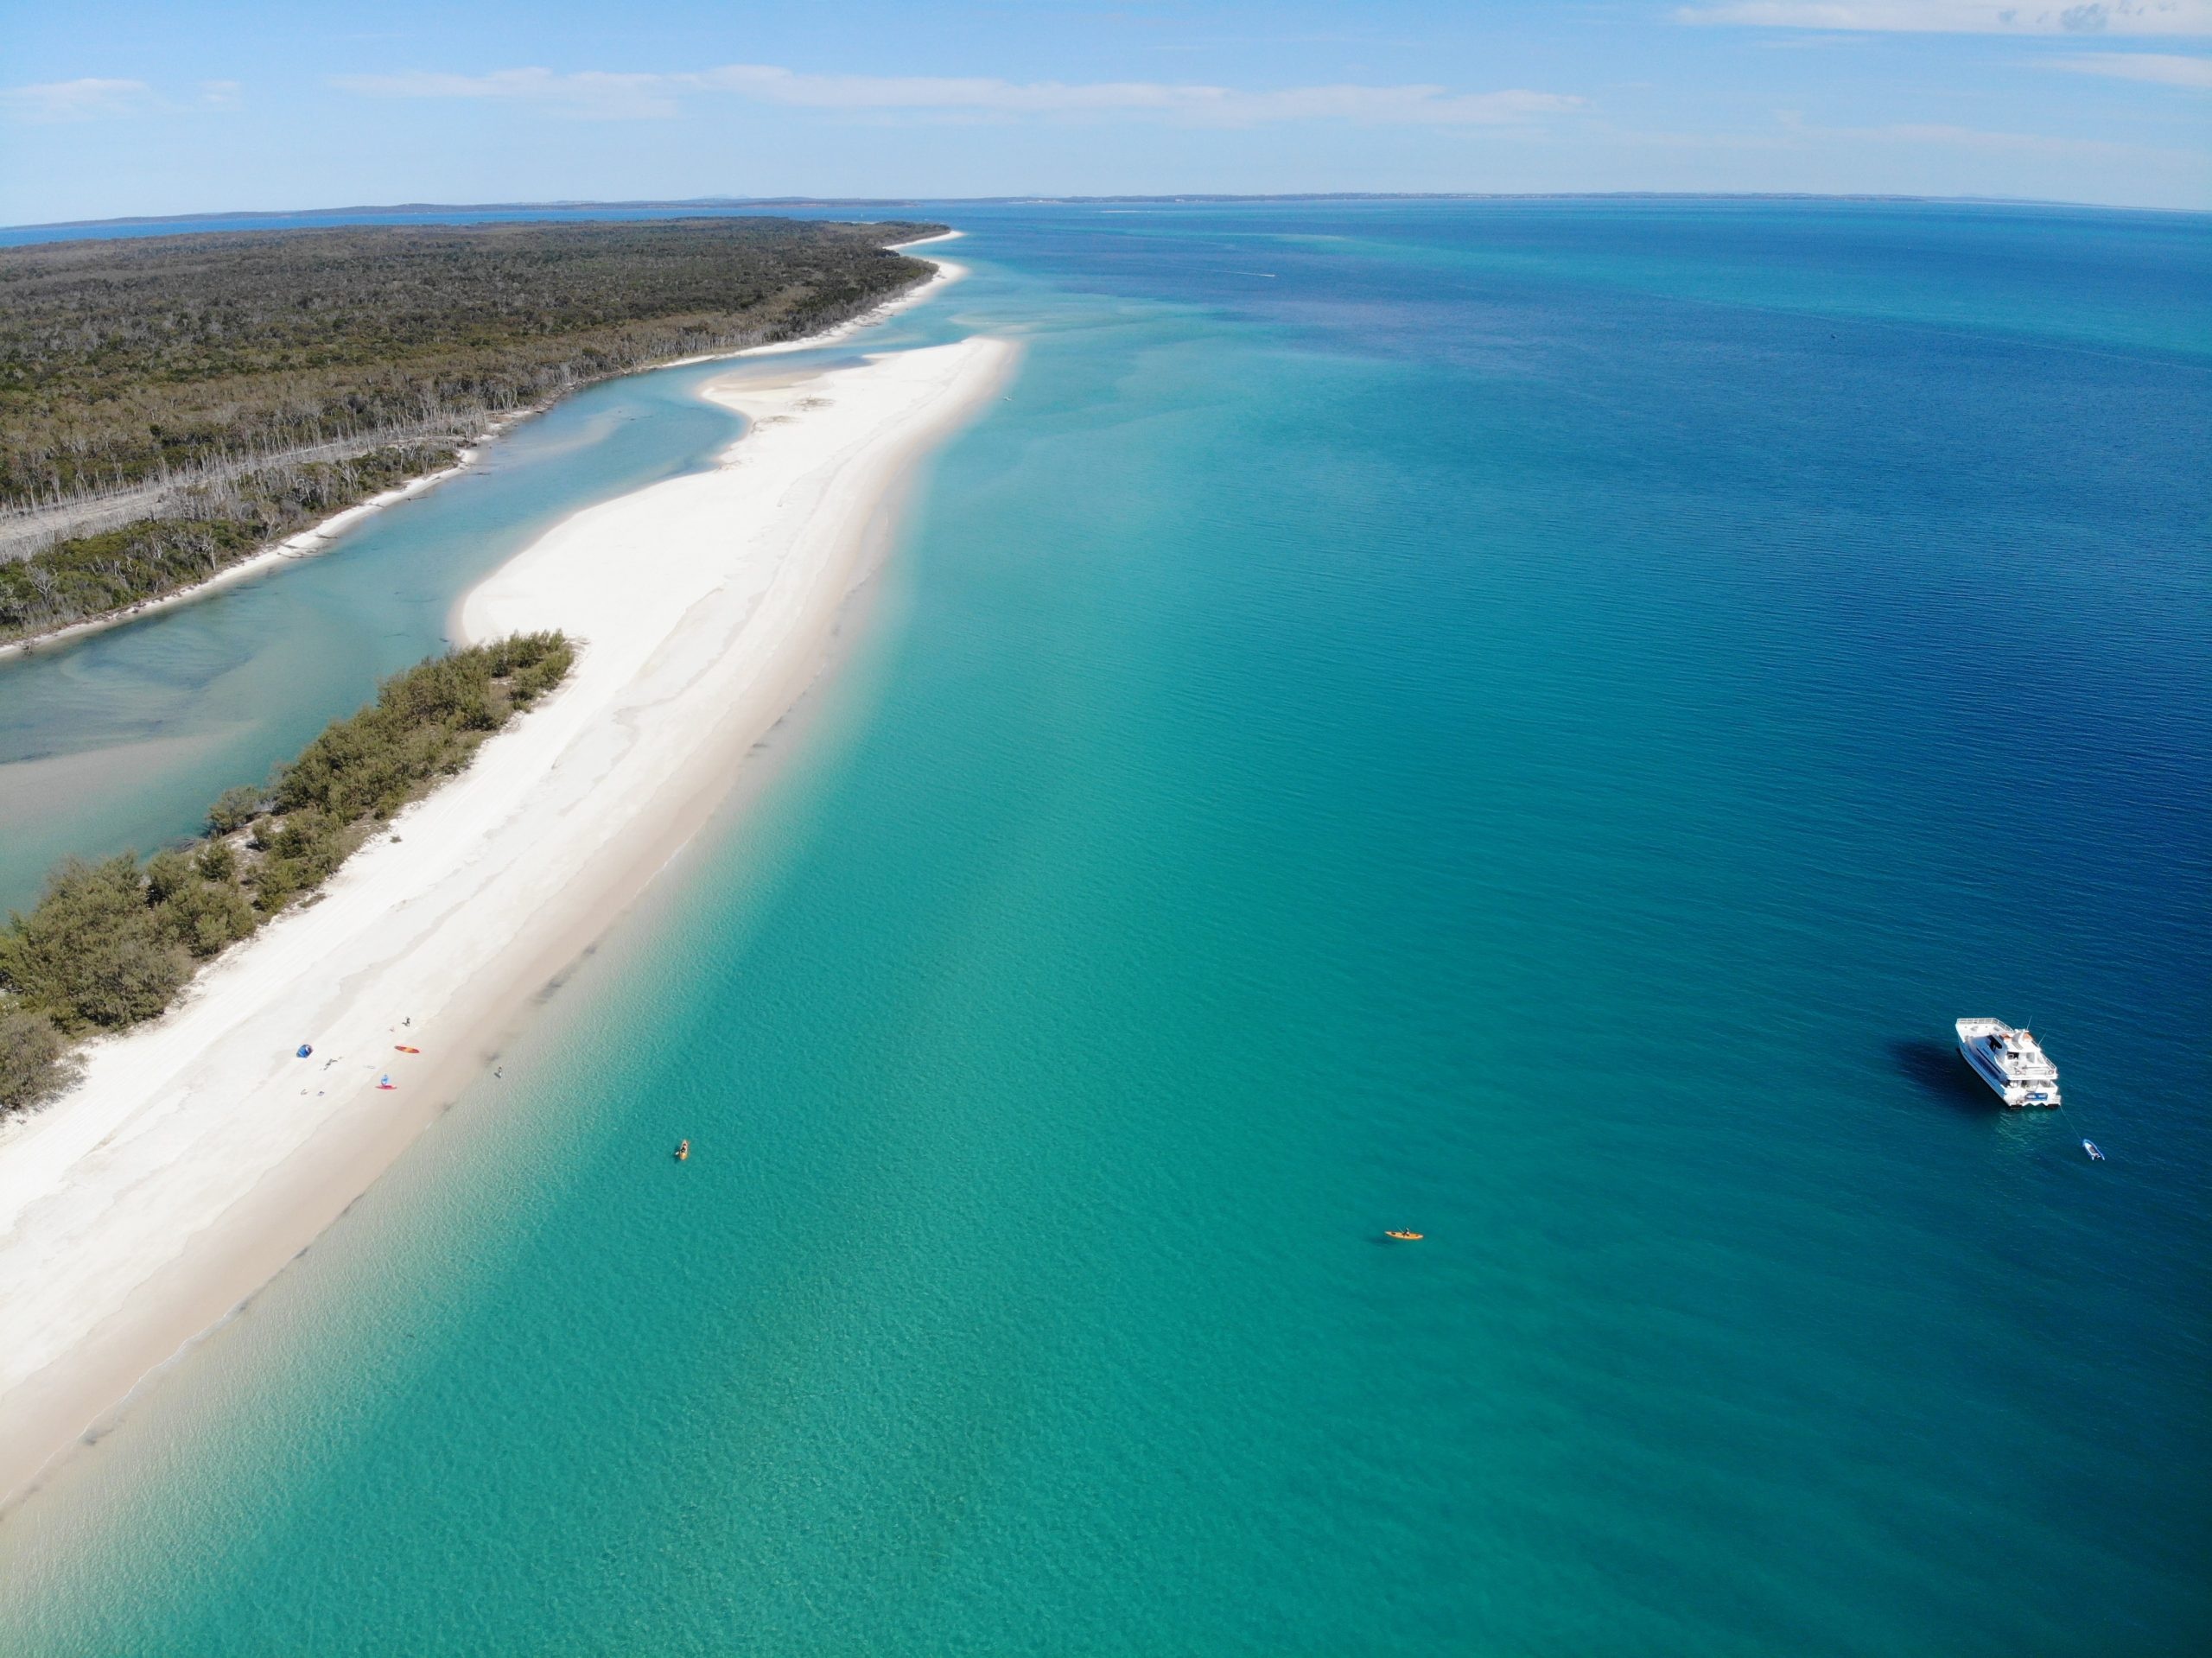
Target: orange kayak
(1405, 1237)
(402, 1048)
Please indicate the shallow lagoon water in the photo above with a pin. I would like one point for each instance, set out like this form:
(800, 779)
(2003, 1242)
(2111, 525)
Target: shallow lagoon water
(1523, 721)
(122, 738)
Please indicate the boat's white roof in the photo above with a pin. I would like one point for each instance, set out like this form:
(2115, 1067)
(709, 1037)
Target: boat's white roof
(2018, 1051)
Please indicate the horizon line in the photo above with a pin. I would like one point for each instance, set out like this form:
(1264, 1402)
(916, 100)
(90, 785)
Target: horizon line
(1158, 198)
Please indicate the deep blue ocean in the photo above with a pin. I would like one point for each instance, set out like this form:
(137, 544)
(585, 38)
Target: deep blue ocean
(1523, 720)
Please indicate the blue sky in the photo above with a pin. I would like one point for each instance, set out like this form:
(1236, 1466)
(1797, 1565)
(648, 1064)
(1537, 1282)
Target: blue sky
(109, 109)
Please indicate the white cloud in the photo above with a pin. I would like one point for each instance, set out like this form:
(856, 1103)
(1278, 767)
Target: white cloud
(614, 97)
(75, 100)
(221, 94)
(1210, 105)
(1999, 144)
(2164, 67)
(1927, 158)
(1963, 16)
(630, 96)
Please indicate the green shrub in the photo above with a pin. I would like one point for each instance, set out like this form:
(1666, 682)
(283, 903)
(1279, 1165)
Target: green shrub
(205, 917)
(90, 955)
(305, 852)
(276, 884)
(167, 873)
(235, 807)
(425, 723)
(32, 1066)
(216, 861)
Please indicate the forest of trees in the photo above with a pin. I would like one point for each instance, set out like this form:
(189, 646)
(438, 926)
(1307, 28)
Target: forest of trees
(193, 533)
(170, 405)
(109, 943)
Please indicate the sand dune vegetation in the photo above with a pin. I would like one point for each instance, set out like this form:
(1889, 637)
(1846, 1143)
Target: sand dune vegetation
(109, 943)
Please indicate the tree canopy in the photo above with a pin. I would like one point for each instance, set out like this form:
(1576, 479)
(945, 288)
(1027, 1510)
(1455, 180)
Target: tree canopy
(170, 404)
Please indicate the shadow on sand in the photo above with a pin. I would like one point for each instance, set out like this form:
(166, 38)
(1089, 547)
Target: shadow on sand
(1936, 1070)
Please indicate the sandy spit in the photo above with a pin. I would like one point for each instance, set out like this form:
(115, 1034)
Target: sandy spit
(199, 1156)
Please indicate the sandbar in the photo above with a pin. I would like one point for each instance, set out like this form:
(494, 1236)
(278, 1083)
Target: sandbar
(198, 1155)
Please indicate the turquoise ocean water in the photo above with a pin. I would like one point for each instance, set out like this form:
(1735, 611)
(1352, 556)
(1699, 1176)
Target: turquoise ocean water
(1526, 722)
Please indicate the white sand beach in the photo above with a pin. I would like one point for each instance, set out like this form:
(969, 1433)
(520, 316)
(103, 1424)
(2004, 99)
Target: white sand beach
(198, 1154)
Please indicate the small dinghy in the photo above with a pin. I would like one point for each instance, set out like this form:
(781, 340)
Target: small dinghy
(683, 1152)
(2090, 1146)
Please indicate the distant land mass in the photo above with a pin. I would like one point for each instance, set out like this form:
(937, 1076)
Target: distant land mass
(170, 406)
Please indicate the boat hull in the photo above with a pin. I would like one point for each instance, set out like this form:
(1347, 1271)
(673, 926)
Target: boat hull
(2017, 1096)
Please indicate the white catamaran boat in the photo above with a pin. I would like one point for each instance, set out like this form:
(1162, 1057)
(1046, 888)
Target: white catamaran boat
(2012, 1062)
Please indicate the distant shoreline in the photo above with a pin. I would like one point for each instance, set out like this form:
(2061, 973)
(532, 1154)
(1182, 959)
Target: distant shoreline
(193, 1161)
(319, 537)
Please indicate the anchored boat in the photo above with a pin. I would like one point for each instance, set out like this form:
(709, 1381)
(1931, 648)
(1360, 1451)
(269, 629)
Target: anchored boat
(2012, 1062)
